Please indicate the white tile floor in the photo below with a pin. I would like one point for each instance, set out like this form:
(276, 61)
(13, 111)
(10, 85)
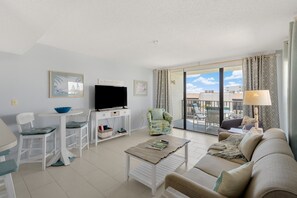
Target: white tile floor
(100, 172)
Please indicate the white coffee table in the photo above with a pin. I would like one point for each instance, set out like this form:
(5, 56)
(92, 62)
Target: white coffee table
(155, 164)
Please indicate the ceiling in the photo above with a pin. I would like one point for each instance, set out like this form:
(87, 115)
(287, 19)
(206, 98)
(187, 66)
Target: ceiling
(147, 33)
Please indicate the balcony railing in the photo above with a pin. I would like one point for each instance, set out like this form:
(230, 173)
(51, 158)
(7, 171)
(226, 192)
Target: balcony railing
(234, 107)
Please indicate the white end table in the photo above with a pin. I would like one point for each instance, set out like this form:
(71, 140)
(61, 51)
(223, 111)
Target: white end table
(64, 154)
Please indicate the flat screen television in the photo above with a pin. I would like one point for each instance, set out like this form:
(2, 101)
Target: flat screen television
(110, 96)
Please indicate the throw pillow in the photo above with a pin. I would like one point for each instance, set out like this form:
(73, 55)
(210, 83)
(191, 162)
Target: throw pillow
(233, 182)
(157, 114)
(249, 143)
(248, 120)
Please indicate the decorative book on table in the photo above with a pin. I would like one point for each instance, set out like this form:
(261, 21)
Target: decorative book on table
(158, 145)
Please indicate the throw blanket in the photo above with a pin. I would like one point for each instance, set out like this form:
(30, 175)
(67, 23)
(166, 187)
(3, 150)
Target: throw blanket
(228, 148)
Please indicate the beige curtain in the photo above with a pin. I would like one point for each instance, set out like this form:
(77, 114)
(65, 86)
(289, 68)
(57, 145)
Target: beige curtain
(260, 72)
(162, 87)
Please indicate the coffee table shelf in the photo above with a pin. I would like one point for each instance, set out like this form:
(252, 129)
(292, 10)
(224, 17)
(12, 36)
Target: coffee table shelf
(144, 172)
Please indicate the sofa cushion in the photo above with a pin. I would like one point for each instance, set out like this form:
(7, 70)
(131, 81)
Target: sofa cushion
(201, 177)
(274, 133)
(249, 143)
(275, 173)
(233, 182)
(271, 146)
(209, 164)
(157, 114)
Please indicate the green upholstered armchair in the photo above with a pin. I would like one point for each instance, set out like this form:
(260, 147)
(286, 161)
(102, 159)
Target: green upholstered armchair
(159, 121)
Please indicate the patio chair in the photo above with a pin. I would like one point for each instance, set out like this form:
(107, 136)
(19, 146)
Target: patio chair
(198, 115)
(159, 121)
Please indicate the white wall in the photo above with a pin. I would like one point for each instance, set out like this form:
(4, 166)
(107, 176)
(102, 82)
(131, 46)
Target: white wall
(25, 78)
(177, 93)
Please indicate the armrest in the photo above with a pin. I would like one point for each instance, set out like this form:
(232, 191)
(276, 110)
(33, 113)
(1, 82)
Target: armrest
(223, 135)
(167, 117)
(227, 124)
(149, 117)
(189, 188)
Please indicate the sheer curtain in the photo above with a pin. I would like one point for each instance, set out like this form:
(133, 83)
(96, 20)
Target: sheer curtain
(162, 89)
(260, 72)
(290, 55)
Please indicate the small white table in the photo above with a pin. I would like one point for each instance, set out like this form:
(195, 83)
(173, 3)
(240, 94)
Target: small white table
(64, 154)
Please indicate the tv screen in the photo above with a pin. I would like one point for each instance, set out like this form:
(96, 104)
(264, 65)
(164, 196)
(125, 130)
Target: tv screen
(110, 96)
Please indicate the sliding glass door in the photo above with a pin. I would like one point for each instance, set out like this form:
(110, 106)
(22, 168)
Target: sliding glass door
(233, 93)
(202, 96)
(201, 99)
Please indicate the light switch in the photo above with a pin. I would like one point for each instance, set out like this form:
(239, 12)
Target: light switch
(14, 102)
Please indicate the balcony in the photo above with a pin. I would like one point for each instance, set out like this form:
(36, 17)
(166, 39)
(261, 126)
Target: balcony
(210, 109)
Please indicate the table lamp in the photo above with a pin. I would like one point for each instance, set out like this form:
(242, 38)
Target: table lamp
(257, 98)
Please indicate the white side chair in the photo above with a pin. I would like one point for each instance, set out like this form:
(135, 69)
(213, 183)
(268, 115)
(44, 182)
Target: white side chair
(80, 130)
(6, 168)
(30, 136)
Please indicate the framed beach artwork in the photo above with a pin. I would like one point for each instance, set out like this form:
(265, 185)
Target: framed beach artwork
(140, 88)
(65, 85)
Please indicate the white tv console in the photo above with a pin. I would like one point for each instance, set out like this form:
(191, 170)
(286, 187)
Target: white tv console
(102, 115)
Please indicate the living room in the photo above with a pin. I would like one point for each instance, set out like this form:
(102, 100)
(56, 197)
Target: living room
(126, 42)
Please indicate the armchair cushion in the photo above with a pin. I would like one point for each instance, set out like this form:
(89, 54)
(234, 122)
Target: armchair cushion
(157, 114)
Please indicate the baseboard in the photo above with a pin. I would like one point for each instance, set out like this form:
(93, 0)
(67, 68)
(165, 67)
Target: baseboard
(138, 129)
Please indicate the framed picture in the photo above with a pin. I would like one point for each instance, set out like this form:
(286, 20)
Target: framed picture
(66, 85)
(140, 88)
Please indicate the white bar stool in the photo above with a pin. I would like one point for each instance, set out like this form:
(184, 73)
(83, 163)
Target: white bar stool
(80, 129)
(33, 134)
(6, 168)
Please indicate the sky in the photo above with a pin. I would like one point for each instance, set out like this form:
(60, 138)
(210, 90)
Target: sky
(210, 81)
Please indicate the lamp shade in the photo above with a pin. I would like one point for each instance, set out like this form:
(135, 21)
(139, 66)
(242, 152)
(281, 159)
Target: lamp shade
(257, 97)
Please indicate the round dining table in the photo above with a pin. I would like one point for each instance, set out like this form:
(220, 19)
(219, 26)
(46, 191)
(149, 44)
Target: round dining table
(63, 154)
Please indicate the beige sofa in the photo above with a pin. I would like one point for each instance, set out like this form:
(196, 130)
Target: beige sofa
(274, 172)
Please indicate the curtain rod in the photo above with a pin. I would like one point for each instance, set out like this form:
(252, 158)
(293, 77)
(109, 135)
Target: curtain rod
(189, 66)
(198, 65)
